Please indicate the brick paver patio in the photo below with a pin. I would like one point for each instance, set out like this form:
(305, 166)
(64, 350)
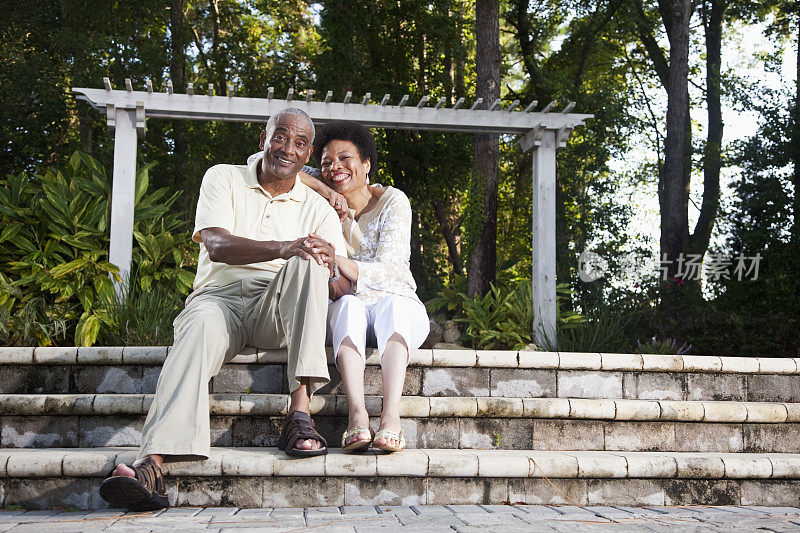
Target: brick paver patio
(459, 518)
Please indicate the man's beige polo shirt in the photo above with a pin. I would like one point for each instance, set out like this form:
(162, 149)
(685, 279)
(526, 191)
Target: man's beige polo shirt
(231, 198)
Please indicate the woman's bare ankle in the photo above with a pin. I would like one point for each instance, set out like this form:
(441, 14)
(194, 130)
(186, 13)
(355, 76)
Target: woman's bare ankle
(390, 421)
(359, 417)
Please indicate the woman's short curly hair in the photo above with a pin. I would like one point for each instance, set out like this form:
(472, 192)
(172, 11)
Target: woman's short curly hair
(345, 130)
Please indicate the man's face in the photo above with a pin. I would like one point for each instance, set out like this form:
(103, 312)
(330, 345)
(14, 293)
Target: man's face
(287, 147)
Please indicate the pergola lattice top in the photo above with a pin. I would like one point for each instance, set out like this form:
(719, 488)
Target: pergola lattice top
(542, 131)
(403, 115)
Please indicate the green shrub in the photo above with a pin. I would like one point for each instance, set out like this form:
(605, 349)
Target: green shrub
(54, 252)
(27, 328)
(503, 317)
(142, 317)
(605, 329)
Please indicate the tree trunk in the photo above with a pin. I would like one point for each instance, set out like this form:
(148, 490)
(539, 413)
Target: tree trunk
(483, 261)
(177, 71)
(86, 124)
(453, 252)
(219, 65)
(417, 267)
(526, 46)
(674, 182)
(698, 243)
(796, 140)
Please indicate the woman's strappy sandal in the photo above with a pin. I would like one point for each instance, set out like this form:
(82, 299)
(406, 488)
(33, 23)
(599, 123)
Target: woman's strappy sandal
(358, 444)
(389, 435)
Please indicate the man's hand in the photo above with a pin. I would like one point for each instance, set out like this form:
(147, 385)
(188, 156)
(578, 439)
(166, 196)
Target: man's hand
(336, 287)
(306, 248)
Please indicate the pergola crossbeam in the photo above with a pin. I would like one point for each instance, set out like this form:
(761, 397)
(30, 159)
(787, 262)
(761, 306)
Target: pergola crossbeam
(419, 117)
(541, 132)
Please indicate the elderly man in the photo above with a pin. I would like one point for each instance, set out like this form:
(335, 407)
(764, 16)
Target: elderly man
(263, 279)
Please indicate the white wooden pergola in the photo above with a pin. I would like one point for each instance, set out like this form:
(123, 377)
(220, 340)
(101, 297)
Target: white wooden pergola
(542, 133)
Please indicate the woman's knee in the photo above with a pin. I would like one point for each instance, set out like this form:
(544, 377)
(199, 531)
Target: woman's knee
(348, 307)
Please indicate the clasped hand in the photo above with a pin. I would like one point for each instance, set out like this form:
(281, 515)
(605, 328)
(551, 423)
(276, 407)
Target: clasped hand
(312, 247)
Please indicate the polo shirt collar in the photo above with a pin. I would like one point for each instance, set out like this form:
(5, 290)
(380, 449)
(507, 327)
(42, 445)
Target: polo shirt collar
(297, 193)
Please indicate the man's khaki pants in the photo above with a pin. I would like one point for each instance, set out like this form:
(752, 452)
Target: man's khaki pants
(215, 325)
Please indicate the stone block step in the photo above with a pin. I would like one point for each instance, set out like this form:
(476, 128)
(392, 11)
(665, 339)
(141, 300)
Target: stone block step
(133, 370)
(437, 422)
(432, 357)
(264, 477)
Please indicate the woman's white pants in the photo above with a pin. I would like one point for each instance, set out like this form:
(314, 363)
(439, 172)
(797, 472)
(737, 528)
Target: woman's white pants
(375, 323)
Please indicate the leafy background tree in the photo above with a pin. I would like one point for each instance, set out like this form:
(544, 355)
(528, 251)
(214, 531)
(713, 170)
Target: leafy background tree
(647, 75)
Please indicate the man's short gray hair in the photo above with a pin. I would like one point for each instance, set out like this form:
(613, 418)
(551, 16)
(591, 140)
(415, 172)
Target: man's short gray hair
(273, 120)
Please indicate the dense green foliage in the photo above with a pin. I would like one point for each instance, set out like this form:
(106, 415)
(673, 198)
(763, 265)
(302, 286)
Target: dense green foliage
(503, 317)
(608, 56)
(54, 248)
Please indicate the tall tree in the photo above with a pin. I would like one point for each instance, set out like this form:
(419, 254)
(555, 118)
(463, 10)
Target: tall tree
(483, 260)
(673, 188)
(177, 70)
(796, 123)
(713, 13)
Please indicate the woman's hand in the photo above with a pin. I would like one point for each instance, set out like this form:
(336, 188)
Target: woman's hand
(322, 250)
(338, 202)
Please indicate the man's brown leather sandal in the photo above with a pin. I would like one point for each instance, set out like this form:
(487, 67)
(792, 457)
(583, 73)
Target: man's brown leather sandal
(145, 492)
(298, 426)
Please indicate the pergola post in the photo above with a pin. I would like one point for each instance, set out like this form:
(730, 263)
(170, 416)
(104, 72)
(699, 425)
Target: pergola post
(544, 241)
(123, 193)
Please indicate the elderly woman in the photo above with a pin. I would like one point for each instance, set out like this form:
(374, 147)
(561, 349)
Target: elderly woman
(383, 307)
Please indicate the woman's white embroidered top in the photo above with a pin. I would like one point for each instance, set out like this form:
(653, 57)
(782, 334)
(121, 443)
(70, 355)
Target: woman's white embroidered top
(380, 242)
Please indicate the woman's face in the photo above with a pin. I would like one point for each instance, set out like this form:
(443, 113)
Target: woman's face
(342, 167)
